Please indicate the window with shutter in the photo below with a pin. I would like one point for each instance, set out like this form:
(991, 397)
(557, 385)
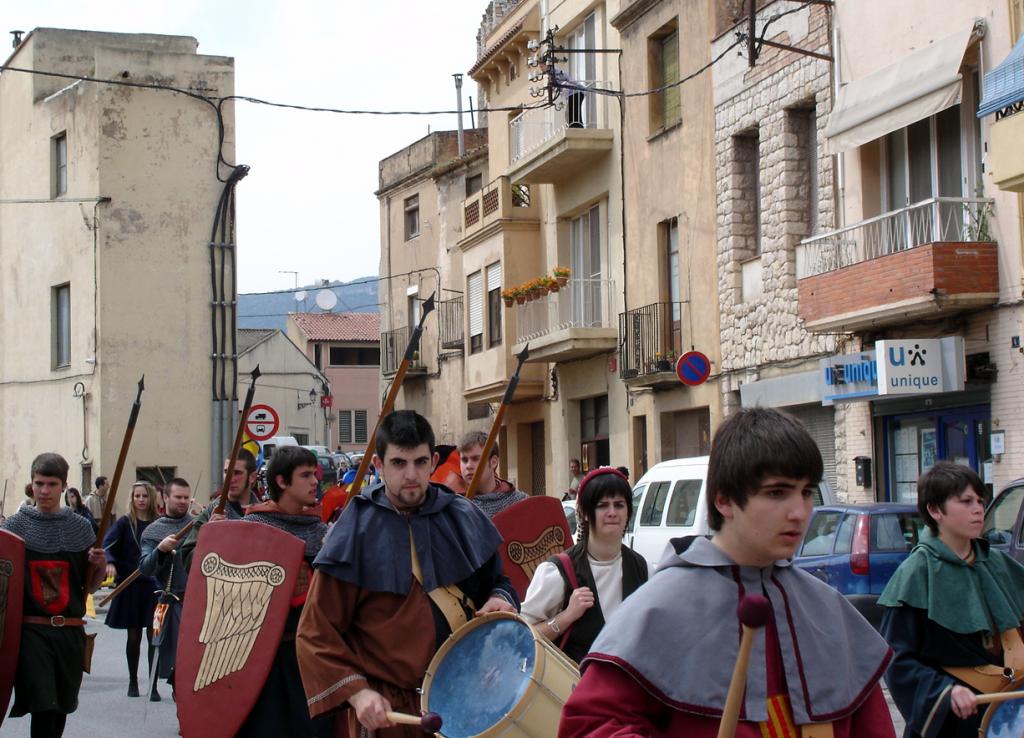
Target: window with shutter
(344, 426)
(475, 294)
(360, 426)
(494, 304)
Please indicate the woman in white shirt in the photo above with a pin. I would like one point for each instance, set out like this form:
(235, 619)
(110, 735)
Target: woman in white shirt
(572, 594)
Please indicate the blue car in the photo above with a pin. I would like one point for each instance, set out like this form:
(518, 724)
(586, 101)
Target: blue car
(856, 549)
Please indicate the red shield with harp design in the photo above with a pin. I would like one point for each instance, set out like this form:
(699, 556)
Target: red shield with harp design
(532, 532)
(236, 603)
(12, 594)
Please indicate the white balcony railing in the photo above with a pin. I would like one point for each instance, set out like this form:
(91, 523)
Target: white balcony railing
(581, 303)
(575, 108)
(938, 219)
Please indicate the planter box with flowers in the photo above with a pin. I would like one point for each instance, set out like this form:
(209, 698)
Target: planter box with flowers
(536, 288)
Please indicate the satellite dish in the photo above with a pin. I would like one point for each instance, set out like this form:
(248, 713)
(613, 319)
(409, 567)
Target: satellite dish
(300, 295)
(325, 299)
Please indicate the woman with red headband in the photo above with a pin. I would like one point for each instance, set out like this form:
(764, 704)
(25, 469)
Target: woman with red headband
(572, 594)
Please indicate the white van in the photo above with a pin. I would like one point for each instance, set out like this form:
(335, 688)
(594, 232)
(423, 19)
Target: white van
(275, 442)
(670, 501)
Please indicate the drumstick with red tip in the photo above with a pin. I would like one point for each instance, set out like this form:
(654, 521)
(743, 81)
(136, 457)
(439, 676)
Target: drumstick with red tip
(430, 721)
(753, 612)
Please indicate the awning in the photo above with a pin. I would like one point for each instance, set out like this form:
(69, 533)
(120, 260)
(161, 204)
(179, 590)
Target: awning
(920, 84)
(1004, 85)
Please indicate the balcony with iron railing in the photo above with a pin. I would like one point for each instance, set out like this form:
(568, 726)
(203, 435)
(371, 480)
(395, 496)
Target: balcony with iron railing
(498, 204)
(449, 323)
(574, 323)
(553, 143)
(931, 258)
(392, 349)
(650, 338)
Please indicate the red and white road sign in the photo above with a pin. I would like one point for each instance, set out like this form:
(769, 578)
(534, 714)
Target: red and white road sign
(262, 422)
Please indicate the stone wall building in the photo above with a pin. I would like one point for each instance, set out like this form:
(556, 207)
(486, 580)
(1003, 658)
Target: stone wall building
(107, 195)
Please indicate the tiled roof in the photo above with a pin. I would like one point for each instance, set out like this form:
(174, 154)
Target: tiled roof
(495, 47)
(338, 326)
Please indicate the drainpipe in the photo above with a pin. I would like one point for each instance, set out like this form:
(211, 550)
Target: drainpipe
(458, 107)
(840, 164)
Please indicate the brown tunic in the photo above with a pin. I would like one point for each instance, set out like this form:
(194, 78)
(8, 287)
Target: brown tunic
(350, 639)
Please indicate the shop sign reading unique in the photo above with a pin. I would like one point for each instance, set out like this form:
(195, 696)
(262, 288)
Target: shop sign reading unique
(909, 367)
(848, 377)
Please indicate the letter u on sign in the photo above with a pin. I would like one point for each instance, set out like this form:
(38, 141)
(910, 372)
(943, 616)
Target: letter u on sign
(893, 353)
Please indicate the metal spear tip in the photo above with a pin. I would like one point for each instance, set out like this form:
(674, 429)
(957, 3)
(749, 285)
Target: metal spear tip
(428, 305)
(523, 355)
(754, 611)
(142, 385)
(255, 373)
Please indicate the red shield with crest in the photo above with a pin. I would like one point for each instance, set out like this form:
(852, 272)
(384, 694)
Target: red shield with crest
(239, 593)
(532, 531)
(12, 592)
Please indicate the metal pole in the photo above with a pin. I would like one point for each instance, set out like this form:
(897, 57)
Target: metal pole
(458, 95)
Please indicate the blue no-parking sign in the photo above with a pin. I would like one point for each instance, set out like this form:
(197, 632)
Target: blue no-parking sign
(693, 368)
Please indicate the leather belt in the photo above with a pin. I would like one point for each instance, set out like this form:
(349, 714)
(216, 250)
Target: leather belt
(57, 621)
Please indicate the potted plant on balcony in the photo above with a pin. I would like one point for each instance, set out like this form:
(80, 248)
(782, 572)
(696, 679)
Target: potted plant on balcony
(542, 286)
(508, 296)
(661, 363)
(561, 274)
(552, 284)
(519, 293)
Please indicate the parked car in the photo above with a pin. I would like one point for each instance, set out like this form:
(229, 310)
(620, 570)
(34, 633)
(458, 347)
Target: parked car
(1004, 520)
(669, 502)
(856, 549)
(273, 443)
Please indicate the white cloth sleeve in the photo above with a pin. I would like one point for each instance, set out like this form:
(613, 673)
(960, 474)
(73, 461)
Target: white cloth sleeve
(544, 596)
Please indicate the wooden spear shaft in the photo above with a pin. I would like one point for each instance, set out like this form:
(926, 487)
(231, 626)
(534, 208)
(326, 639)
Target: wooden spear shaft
(126, 441)
(492, 437)
(137, 573)
(389, 401)
(229, 470)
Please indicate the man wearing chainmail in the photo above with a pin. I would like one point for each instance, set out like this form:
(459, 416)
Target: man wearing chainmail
(240, 495)
(62, 565)
(291, 484)
(493, 494)
(162, 560)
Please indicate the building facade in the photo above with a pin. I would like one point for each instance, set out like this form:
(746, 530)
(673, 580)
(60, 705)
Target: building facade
(344, 348)
(107, 194)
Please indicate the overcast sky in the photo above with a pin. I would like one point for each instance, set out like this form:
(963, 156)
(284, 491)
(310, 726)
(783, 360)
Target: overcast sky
(307, 204)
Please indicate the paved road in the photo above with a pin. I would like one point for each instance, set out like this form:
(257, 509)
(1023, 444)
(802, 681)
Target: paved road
(103, 707)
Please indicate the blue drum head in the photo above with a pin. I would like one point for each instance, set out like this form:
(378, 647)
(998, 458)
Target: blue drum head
(482, 677)
(1006, 720)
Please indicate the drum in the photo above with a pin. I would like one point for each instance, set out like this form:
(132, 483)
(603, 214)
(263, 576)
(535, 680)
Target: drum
(495, 676)
(1003, 720)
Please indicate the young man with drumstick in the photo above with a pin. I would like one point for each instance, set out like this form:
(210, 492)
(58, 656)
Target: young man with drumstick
(953, 612)
(663, 663)
(406, 564)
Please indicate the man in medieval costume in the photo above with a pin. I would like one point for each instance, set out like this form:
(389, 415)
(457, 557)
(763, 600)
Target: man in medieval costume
(62, 565)
(291, 486)
(493, 494)
(663, 662)
(162, 560)
(240, 495)
(405, 555)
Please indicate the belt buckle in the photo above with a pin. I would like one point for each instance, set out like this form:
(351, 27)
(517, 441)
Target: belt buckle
(58, 621)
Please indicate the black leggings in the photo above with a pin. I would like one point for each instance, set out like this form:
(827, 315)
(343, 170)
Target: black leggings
(48, 724)
(132, 650)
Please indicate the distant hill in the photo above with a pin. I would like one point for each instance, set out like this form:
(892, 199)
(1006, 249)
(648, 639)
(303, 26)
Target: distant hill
(270, 309)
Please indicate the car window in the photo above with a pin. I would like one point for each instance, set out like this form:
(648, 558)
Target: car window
(1002, 516)
(654, 504)
(895, 531)
(821, 533)
(638, 494)
(844, 536)
(682, 509)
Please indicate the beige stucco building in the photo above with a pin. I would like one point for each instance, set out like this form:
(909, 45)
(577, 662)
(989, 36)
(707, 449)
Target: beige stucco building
(107, 196)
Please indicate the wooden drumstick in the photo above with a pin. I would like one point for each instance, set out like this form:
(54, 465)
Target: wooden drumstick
(984, 699)
(430, 722)
(753, 612)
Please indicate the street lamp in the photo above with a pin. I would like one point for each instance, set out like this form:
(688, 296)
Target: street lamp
(312, 399)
